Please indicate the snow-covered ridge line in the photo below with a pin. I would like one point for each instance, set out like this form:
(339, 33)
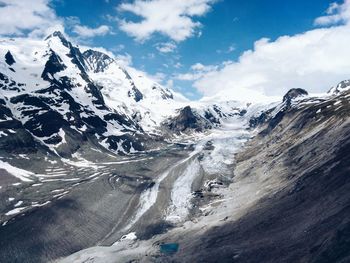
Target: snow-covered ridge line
(51, 79)
(60, 95)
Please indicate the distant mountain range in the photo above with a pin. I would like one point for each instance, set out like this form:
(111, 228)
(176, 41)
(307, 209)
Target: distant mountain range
(54, 97)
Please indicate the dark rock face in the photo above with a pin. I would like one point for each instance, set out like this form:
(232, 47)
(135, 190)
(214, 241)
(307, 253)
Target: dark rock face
(294, 93)
(19, 142)
(187, 119)
(14, 137)
(121, 119)
(255, 121)
(97, 61)
(96, 94)
(210, 117)
(46, 124)
(125, 143)
(136, 94)
(9, 84)
(9, 59)
(52, 66)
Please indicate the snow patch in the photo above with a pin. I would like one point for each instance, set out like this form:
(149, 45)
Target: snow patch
(21, 174)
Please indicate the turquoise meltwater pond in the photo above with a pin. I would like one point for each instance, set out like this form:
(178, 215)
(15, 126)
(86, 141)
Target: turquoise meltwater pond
(169, 248)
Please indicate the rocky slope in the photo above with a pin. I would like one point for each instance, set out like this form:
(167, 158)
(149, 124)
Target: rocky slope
(298, 164)
(287, 201)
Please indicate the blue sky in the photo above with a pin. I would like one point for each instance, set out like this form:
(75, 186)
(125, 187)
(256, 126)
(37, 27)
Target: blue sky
(228, 29)
(205, 47)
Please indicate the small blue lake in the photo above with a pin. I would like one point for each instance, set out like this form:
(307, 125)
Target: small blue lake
(169, 248)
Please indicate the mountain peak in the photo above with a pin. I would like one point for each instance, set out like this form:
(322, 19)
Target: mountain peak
(97, 61)
(344, 85)
(294, 93)
(60, 36)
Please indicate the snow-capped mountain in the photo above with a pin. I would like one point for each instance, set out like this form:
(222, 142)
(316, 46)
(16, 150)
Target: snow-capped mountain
(45, 86)
(52, 93)
(342, 86)
(56, 97)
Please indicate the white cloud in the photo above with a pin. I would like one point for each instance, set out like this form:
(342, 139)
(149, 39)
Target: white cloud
(189, 76)
(119, 48)
(167, 47)
(178, 65)
(336, 13)
(124, 60)
(169, 84)
(197, 72)
(171, 18)
(149, 56)
(158, 77)
(36, 18)
(199, 67)
(88, 32)
(230, 49)
(314, 60)
(20, 16)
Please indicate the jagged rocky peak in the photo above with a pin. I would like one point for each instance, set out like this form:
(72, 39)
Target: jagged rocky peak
(344, 85)
(9, 58)
(188, 119)
(187, 113)
(52, 66)
(60, 36)
(74, 53)
(294, 93)
(273, 116)
(165, 92)
(96, 60)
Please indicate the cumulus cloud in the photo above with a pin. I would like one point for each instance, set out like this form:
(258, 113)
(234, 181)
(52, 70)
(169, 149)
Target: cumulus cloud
(171, 18)
(124, 60)
(19, 16)
(88, 32)
(36, 18)
(335, 14)
(167, 47)
(197, 71)
(314, 60)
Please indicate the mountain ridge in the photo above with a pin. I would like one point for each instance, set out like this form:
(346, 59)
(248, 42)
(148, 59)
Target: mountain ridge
(97, 91)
